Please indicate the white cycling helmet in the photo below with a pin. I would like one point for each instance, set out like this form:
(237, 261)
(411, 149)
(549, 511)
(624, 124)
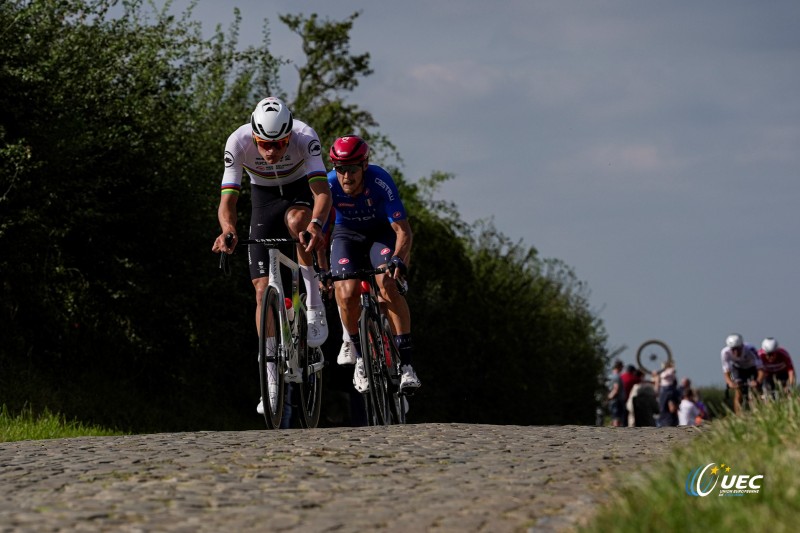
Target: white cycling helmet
(734, 340)
(769, 345)
(271, 120)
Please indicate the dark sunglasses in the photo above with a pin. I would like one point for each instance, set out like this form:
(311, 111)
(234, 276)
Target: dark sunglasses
(347, 169)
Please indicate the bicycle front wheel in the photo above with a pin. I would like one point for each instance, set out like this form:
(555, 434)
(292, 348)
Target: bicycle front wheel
(271, 359)
(398, 402)
(372, 350)
(653, 355)
(310, 361)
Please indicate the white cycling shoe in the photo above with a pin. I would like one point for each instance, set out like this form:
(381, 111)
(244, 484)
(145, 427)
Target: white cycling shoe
(347, 354)
(317, 326)
(360, 381)
(408, 378)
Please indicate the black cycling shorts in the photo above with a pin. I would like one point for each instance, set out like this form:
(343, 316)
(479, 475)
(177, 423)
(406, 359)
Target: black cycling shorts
(743, 375)
(356, 250)
(268, 219)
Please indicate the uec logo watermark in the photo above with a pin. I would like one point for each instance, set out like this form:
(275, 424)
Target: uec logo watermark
(703, 480)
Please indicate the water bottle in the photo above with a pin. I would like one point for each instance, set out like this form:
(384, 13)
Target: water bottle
(289, 309)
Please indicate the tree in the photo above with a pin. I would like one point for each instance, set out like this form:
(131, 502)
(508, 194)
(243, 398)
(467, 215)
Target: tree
(111, 305)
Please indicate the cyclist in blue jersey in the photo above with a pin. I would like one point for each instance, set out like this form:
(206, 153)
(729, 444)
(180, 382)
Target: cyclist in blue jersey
(371, 228)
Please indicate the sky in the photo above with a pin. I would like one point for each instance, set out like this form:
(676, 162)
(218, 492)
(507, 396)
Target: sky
(654, 147)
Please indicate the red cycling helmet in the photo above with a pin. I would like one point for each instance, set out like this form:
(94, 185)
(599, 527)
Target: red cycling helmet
(349, 149)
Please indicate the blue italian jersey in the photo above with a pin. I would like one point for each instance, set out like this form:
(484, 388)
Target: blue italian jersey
(377, 206)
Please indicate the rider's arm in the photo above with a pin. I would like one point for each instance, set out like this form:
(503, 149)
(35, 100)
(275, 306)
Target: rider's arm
(230, 187)
(728, 380)
(614, 390)
(226, 213)
(402, 247)
(322, 205)
(726, 368)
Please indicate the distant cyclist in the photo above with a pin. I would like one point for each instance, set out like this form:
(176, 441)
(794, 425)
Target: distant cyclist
(778, 369)
(741, 368)
(282, 158)
(371, 230)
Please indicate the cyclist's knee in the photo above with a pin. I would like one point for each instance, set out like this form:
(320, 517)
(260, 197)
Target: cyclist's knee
(260, 285)
(388, 288)
(297, 219)
(346, 292)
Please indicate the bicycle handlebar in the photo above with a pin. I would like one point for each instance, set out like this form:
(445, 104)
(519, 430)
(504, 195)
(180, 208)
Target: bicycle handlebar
(365, 274)
(268, 242)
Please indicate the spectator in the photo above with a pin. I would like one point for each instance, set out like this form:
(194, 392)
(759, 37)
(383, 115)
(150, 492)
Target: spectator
(629, 378)
(642, 403)
(687, 410)
(616, 397)
(686, 383)
(668, 399)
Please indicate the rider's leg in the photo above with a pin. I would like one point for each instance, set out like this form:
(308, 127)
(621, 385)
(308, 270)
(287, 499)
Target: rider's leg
(737, 399)
(396, 305)
(260, 285)
(400, 317)
(297, 220)
(347, 298)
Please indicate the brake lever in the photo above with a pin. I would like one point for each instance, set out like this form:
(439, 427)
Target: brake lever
(224, 263)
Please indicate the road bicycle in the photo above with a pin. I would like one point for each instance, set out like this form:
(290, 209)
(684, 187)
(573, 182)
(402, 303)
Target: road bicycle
(283, 352)
(385, 402)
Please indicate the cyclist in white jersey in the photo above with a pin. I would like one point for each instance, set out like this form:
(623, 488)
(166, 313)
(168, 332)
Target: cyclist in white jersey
(282, 159)
(741, 367)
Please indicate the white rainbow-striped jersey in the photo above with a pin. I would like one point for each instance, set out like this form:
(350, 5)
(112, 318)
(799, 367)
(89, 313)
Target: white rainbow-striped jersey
(302, 160)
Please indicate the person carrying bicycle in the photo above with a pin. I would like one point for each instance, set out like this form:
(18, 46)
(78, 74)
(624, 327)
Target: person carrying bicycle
(282, 159)
(778, 367)
(741, 368)
(371, 228)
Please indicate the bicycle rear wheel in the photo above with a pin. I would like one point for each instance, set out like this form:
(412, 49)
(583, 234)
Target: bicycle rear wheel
(378, 397)
(271, 359)
(310, 362)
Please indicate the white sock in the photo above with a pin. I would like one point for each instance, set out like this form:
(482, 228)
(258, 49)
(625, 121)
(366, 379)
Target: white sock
(345, 335)
(313, 297)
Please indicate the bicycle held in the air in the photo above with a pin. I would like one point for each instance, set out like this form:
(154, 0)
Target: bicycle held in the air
(385, 402)
(283, 353)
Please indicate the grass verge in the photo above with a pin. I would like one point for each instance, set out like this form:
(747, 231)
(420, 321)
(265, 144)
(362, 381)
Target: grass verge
(27, 426)
(765, 441)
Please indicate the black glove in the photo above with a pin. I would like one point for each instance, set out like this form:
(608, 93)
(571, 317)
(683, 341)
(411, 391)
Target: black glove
(396, 262)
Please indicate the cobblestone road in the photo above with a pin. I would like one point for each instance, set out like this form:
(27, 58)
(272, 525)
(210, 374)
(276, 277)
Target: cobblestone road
(426, 477)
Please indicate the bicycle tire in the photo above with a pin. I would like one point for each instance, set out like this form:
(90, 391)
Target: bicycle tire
(654, 360)
(377, 398)
(269, 326)
(399, 401)
(311, 385)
